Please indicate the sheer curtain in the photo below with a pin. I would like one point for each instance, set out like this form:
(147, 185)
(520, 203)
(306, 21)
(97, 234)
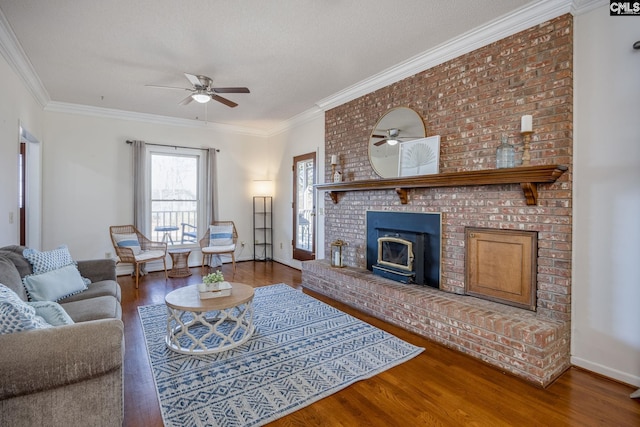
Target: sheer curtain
(212, 199)
(139, 198)
(140, 202)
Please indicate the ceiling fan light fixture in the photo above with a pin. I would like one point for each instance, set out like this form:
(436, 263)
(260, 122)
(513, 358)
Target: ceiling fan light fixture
(201, 96)
(392, 141)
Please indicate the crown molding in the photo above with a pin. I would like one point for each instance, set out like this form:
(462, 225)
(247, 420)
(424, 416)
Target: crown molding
(297, 120)
(63, 107)
(495, 30)
(15, 56)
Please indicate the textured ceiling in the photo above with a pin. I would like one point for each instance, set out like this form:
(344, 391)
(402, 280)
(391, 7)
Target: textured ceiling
(289, 53)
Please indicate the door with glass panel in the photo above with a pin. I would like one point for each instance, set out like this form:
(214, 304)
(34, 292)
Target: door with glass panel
(304, 204)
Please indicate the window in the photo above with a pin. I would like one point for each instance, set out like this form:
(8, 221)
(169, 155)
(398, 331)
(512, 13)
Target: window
(176, 178)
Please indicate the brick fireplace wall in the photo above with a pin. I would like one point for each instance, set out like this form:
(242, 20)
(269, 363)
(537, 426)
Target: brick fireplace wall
(470, 101)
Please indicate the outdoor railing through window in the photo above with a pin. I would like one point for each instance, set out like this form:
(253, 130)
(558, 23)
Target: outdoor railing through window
(166, 225)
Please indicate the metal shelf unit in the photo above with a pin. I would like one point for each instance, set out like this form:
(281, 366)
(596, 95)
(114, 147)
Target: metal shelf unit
(262, 228)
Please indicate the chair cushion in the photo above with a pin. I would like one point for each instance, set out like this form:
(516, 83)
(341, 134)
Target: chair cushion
(128, 241)
(149, 255)
(16, 315)
(218, 249)
(54, 285)
(220, 235)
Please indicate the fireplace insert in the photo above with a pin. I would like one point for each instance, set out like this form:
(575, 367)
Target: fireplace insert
(404, 246)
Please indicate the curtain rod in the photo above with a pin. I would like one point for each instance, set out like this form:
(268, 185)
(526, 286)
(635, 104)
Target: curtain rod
(174, 146)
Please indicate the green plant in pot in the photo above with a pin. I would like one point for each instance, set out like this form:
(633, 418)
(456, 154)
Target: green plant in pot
(213, 280)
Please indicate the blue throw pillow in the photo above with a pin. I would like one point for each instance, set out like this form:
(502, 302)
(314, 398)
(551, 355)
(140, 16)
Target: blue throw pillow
(220, 235)
(16, 315)
(54, 285)
(43, 262)
(51, 312)
(128, 241)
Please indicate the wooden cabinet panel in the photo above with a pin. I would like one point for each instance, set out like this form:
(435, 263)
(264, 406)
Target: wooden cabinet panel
(500, 265)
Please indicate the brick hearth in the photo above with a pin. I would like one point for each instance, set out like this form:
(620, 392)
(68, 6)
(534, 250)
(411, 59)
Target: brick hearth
(512, 339)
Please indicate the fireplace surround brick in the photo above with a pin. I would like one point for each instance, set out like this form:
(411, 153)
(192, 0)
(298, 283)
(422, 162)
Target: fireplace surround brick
(470, 101)
(514, 340)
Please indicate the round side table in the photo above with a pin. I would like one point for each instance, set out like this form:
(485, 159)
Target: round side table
(180, 260)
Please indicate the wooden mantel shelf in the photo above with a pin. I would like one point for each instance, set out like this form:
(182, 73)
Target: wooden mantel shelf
(527, 176)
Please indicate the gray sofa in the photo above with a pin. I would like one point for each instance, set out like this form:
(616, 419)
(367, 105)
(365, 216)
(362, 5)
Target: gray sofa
(69, 375)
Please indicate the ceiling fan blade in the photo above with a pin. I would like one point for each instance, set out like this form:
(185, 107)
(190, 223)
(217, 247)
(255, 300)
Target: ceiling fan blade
(185, 101)
(378, 136)
(168, 87)
(379, 143)
(225, 101)
(230, 90)
(195, 81)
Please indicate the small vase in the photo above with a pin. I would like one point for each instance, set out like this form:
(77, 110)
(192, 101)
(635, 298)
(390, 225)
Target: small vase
(505, 154)
(213, 286)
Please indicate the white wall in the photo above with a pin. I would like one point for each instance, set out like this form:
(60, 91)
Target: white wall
(17, 106)
(606, 246)
(88, 177)
(303, 138)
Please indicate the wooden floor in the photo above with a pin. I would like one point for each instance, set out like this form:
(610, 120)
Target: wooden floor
(440, 387)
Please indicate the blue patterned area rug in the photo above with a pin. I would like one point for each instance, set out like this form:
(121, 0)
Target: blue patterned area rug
(301, 351)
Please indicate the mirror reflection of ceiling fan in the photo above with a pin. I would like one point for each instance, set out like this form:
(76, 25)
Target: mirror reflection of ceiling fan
(391, 137)
(202, 91)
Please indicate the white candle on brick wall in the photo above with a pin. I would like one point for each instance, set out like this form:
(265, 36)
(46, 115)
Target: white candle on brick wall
(334, 159)
(526, 123)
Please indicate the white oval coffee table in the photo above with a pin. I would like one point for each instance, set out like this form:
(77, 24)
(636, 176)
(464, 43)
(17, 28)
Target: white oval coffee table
(203, 326)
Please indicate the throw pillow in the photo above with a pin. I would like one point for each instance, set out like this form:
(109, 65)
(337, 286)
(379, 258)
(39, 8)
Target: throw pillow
(220, 235)
(43, 262)
(51, 312)
(128, 241)
(16, 315)
(54, 285)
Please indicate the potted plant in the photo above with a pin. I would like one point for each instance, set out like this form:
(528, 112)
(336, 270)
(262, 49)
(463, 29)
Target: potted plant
(213, 280)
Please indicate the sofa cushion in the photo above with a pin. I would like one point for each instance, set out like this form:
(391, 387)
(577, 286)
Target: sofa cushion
(51, 312)
(14, 253)
(96, 289)
(10, 277)
(105, 307)
(54, 285)
(16, 315)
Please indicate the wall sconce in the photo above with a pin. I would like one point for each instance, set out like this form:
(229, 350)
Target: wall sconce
(262, 187)
(336, 253)
(526, 129)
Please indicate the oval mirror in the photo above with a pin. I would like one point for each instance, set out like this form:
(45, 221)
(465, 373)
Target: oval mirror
(395, 126)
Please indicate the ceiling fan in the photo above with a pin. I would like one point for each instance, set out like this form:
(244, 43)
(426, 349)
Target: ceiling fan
(391, 137)
(203, 91)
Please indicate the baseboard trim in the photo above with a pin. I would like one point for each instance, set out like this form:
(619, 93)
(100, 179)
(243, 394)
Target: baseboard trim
(606, 371)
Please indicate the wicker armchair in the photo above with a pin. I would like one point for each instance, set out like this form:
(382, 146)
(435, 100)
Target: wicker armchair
(226, 246)
(133, 247)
